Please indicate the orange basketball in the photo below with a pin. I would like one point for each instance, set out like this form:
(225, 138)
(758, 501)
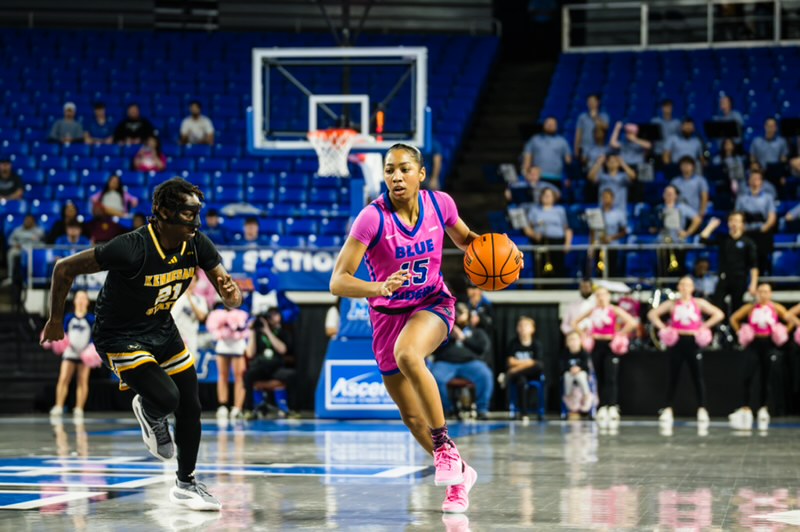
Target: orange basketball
(492, 261)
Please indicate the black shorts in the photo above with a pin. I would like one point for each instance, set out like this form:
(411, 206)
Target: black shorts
(122, 354)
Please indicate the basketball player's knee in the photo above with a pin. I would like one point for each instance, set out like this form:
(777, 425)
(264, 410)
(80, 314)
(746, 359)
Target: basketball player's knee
(168, 398)
(407, 358)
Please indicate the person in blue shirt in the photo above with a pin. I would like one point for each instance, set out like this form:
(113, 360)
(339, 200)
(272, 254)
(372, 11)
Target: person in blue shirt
(616, 176)
(675, 222)
(693, 188)
(73, 236)
(685, 144)
(548, 226)
(705, 281)
(98, 130)
(760, 218)
(615, 222)
(632, 149)
(726, 111)
(214, 229)
(548, 150)
(769, 149)
(587, 121)
(669, 125)
(599, 148)
(530, 189)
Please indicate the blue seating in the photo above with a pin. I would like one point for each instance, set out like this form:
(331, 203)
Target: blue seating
(301, 227)
(270, 226)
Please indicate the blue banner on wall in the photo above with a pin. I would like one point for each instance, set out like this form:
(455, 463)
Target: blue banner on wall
(354, 319)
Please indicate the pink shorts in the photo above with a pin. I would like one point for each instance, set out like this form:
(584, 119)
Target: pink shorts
(386, 328)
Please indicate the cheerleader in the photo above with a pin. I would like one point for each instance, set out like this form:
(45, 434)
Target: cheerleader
(685, 335)
(606, 344)
(761, 336)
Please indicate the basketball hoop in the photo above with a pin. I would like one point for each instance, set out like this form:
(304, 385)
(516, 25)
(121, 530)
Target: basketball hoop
(332, 147)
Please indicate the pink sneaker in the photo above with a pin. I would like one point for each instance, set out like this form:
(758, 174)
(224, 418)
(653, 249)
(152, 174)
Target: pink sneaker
(455, 523)
(447, 462)
(457, 499)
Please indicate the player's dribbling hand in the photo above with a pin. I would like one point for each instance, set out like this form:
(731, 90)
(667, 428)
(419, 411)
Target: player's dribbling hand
(52, 332)
(394, 282)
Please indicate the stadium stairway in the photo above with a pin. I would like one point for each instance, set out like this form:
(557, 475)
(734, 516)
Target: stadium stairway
(25, 368)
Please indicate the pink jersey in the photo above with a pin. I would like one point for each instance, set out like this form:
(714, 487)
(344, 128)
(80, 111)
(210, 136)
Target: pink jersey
(392, 246)
(604, 321)
(686, 316)
(763, 318)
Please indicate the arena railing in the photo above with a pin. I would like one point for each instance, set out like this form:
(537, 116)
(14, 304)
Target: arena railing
(682, 24)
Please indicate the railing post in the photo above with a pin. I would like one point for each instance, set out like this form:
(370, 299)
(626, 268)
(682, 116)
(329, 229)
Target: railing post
(710, 21)
(644, 26)
(776, 21)
(565, 28)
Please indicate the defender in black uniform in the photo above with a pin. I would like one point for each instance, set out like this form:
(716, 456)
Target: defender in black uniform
(148, 270)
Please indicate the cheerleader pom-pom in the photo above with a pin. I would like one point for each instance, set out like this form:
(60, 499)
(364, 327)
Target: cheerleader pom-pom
(779, 334)
(797, 335)
(703, 337)
(620, 344)
(90, 357)
(237, 319)
(668, 336)
(58, 347)
(746, 334)
(217, 323)
(588, 343)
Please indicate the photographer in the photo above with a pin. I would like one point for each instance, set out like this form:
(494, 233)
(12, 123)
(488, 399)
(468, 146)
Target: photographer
(268, 350)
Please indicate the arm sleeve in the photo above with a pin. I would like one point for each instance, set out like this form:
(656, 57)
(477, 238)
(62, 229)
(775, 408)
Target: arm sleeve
(185, 126)
(448, 208)
(562, 213)
(124, 253)
(210, 125)
(795, 212)
(752, 259)
(753, 148)
(770, 205)
(784, 149)
(529, 146)
(207, 255)
(703, 185)
(366, 225)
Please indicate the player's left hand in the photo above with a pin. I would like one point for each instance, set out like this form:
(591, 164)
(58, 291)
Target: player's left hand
(227, 286)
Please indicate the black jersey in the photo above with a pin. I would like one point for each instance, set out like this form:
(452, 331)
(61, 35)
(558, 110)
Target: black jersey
(144, 282)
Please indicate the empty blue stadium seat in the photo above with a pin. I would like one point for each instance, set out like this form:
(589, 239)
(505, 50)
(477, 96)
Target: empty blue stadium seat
(333, 226)
(324, 241)
(270, 226)
(301, 227)
(228, 194)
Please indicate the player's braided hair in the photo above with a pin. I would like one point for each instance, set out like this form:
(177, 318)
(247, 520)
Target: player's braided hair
(412, 150)
(171, 194)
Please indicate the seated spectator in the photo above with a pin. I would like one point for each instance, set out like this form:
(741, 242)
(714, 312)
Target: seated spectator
(73, 235)
(732, 163)
(432, 155)
(530, 189)
(465, 356)
(69, 213)
(760, 217)
(616, 228)
(686, 144)
(214, 229)
(103, 228)
(150, 158)
(547, 225)
(269, 349)
(99, 129)
(480, 304)
(139, 220)
(631, 148)
(692, 188)
(577, 396)
(113, 200)
(728, 114)
(793, 214)
(612, 178)
(669, 125)
(10, 182)
(197, 128)
(769, 149)
(705, 281)
(67, 130)
(548, 150)
(251, 236)
(598, 149)
(134, 129)
(676, 222)
(27, 234)
(524, 362)
(587, 121)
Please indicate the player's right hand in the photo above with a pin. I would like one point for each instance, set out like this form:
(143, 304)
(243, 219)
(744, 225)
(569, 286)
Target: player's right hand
(52, 332)
(394, 282)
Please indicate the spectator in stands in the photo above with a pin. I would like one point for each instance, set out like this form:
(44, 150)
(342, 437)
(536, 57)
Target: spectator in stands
(99, 130)
(150, 158)
(616, 177)
(587, 121)
(760, 219)
(615, 221)
(733, 165)
(548, 150)
(251, 236)
(737, 259)
(769, 149)
(333, 319)
(793, 214)
(632, 149)
(480, 304)
(214, 229)
(27, 234)
(113, 200)
(727, 113)
(677, 222)
(579, 307)
(73, 235)
(134, 129)
(69, 213)
(686, 144)
(10, 183)
(197, 128)
(548, 226)
(670, 126)
(268, 351)
(432, 156)
(524, 362)
(575, 371)
(189, 311)
(104, 228)
(67, 130)
(139, 220)
(705, 281)
(692, 188)
(466, 355)
(529, 190)
(598, 149)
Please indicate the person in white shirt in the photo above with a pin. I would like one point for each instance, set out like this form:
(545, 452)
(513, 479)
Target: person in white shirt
(332, 319)
(188, 312)
(578, 308)
(197, 128)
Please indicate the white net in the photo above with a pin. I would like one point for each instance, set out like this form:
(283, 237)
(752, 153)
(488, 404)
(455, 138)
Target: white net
(332, 147)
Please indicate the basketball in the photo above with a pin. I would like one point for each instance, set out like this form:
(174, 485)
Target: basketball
(492, 261)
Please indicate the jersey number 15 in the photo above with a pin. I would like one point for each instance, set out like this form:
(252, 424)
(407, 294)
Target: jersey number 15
(419, 271)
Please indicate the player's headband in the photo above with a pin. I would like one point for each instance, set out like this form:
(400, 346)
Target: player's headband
(177, 220)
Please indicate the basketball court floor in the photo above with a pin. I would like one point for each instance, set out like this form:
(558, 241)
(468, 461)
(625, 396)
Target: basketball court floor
(313, 475)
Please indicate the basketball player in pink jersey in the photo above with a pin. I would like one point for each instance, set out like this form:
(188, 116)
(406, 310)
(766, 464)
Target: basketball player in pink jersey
(400, 236)
(605, 319)
(763, 316)
(686, 318)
